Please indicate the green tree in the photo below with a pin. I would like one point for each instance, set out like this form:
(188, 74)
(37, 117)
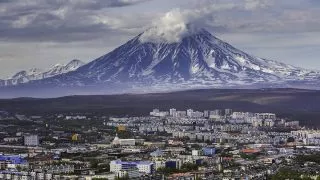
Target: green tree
(19, 168)
(287, 174)
(187, 167)
(306, 178)
(126, 177)
(167, 170)
(249, 156)
(101, 168)
(94, 164)
(290, 140)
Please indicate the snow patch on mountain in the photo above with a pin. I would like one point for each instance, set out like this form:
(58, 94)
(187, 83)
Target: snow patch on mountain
(197, 59)
(38, 74)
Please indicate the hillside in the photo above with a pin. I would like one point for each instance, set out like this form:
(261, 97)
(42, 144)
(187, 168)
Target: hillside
(298, 104)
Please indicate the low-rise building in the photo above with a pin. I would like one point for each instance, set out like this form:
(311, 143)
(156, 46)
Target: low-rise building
(146, 167)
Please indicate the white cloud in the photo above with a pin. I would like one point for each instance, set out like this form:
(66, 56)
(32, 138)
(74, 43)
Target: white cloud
(105, 25)
(178, 23)
(257, 4)
(69, 20)
(170, 28)
(23, 21)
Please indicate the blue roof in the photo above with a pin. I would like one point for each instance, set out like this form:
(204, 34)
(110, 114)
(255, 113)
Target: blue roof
(11, 172)
(14, 159)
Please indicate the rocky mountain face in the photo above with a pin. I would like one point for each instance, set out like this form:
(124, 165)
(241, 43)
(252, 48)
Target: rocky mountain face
(198, 60)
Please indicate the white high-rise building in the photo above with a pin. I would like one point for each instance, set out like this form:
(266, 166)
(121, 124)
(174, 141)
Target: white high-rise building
(181, 114)
(227, 112)
(173, 112)
(206, 114)
(196, 153)
(269, 122)
(31, 140)
(189, 112)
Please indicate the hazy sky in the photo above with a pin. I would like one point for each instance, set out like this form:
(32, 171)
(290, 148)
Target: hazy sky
(42, 33)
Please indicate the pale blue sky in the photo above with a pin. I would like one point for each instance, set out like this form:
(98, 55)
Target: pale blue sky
(41, 33)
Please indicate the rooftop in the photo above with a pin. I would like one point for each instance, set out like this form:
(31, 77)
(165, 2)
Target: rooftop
(132, 163)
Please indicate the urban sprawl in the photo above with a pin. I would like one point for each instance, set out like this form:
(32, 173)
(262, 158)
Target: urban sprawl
(173, 144)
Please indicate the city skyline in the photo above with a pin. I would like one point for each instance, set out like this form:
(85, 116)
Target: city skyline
(43, 33)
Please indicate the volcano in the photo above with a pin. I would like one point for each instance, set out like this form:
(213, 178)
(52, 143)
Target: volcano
(197, 60)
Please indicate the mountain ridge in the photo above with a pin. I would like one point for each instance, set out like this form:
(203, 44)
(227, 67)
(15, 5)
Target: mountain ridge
(198, 60)
(195, 55)
(33, 74)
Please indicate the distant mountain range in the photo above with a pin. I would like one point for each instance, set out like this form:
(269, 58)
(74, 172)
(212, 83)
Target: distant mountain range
(38, 74)
(296, 104)
(198, 60)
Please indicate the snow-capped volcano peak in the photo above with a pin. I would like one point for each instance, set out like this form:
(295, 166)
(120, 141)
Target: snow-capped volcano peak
(197, 58)
(155, 60)
(172, 33)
